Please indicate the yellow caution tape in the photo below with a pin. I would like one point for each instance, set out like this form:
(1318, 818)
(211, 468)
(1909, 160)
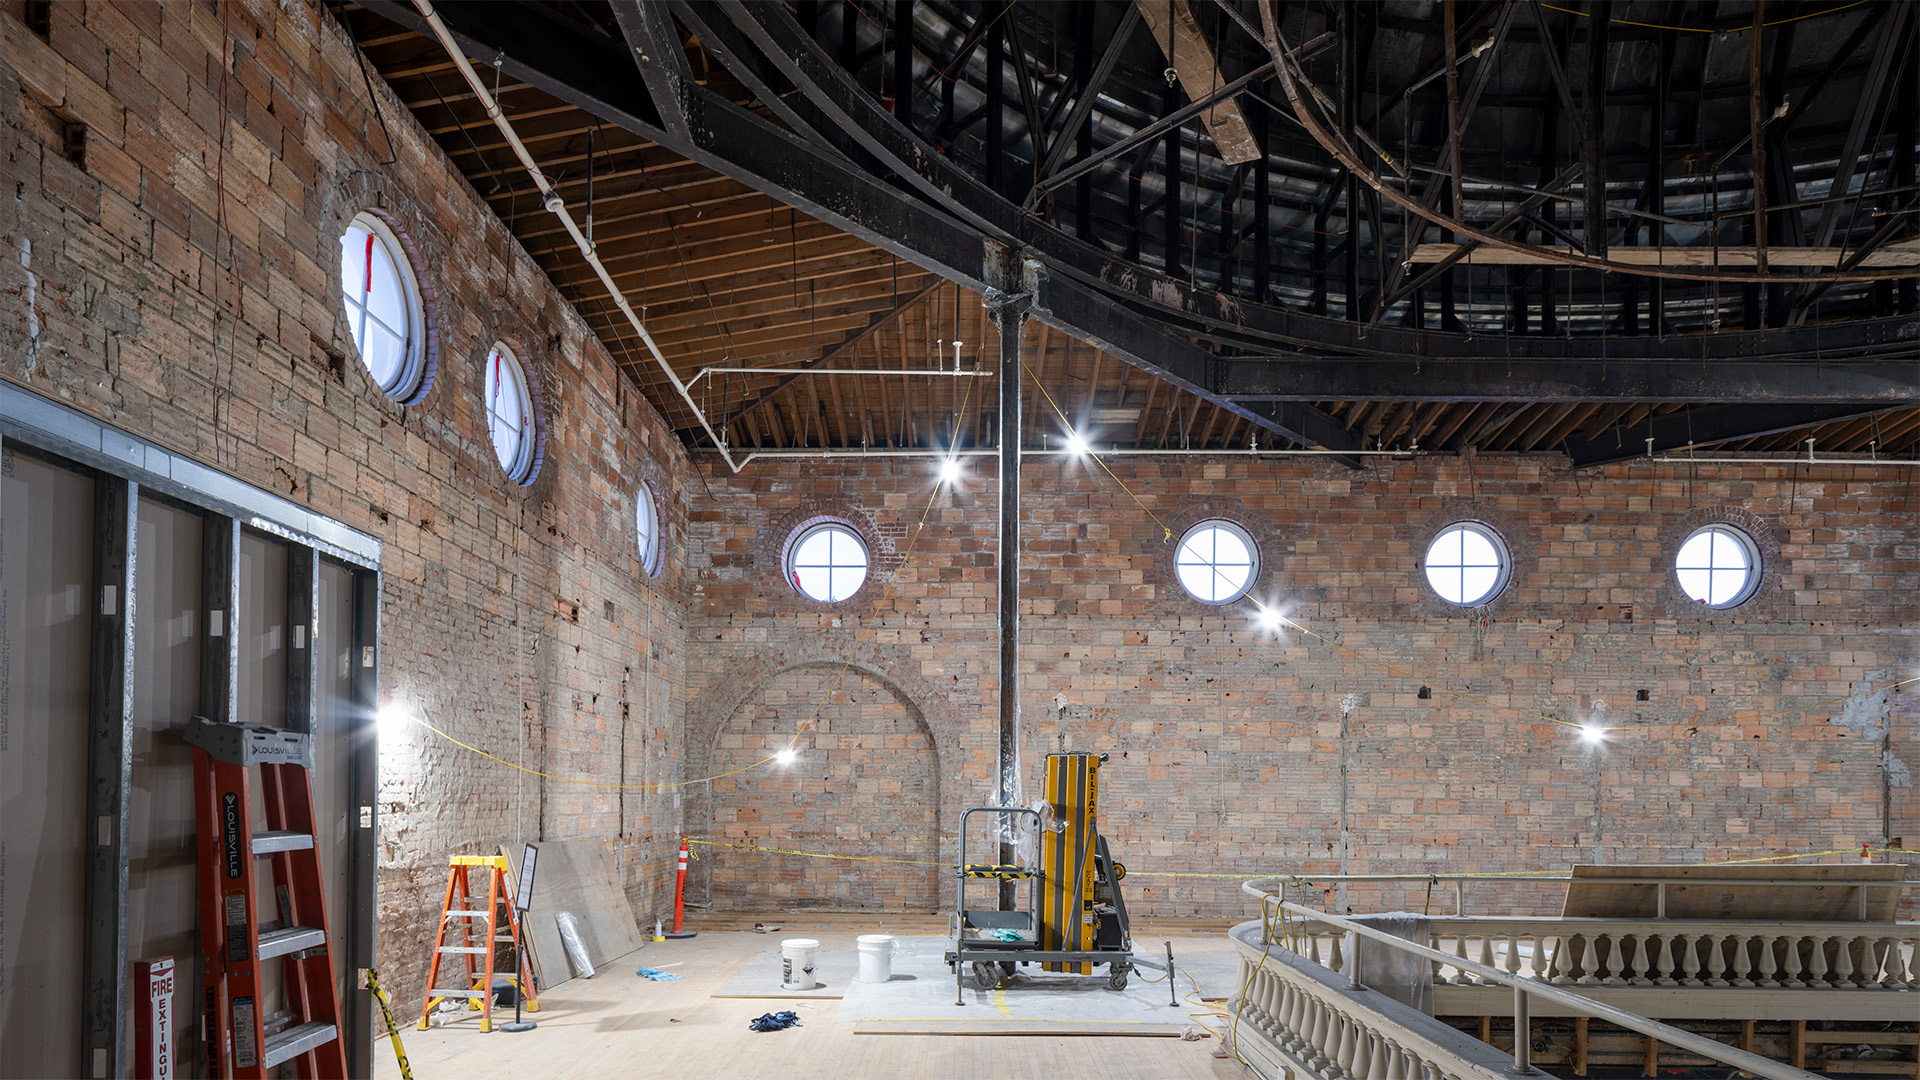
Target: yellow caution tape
(379, 995)
(1306, 880)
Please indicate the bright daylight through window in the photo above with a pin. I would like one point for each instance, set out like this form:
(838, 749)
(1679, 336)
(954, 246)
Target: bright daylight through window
(1467, 564)
(383, 307)
(827, 563)
(647, 528)
(1215, 562)
(510, 414)
(1718, 566)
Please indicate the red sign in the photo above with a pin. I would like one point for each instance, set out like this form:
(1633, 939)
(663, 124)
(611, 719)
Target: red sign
(153, 1021)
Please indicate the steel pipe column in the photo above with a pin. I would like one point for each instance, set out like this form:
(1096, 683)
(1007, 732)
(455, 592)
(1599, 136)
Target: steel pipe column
(1009, 312)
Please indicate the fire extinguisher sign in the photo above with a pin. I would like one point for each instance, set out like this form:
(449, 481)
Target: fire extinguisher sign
(153, 1029)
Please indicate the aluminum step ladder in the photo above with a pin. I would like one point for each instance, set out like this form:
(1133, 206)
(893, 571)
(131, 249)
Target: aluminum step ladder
(234, 939)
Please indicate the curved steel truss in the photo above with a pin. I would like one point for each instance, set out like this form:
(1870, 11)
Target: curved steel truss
(1276, 207)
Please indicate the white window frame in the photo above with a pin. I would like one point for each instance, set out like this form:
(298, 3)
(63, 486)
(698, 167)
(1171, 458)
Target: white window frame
(503, 361)
(1749, 585)
(789, 566)
(1503, 555)
(1232, 528)
(646, 522)
(409, 384)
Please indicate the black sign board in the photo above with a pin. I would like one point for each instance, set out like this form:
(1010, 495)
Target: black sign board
(523, 895)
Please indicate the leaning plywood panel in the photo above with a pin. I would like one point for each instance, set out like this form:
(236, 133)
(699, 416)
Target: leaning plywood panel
(578, 876)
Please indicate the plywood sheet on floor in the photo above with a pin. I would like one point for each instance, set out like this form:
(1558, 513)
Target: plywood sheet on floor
(760, 977)
(617, 1023)
(1034, 1002)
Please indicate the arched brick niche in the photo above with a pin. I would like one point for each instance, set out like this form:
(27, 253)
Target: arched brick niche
(866, 783)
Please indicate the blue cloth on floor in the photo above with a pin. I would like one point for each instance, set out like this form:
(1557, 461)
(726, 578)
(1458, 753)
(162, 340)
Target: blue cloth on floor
(775, 1021)
(656, 974)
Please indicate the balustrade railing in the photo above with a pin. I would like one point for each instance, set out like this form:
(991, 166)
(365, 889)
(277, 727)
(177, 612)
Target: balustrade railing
(1305, 1012)
(1692, 953)
(1298, 1001)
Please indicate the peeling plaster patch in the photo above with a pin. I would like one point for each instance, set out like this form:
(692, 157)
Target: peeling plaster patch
(1348, 703)
(1898, 775)
(1166, 294)
(33, 317)
(1865, 715)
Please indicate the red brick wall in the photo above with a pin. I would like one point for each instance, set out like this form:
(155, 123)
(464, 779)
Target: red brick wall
(1234, 752)
(206, 318)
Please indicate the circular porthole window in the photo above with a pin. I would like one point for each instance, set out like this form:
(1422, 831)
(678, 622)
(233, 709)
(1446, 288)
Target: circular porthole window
(828, 562)
(1718, 566)
(511, 422)
(646, 519)
(1216, 561)
(384, 311)
(1468, 564)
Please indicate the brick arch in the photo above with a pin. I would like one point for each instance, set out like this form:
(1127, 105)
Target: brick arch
(869, 782)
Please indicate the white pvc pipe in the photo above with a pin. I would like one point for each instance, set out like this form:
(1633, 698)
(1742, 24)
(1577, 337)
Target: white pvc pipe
(703, 372)
(921, 451)
(1680, 459)
(558, 206)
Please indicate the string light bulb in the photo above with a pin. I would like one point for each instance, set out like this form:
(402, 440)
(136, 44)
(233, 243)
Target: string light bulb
(393, 721)
(1076, 445)
(950, 470)
(786, 757)
(1592, 734)
(1268, 618)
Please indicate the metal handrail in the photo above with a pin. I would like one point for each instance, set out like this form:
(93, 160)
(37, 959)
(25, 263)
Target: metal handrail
(1522, 988)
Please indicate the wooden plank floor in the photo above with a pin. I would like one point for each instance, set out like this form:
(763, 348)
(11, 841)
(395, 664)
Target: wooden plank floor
(618, 1024)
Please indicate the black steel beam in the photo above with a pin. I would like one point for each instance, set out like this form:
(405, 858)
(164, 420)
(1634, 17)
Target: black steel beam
(1094, 319)
(1029, 102)
(656, 50)
(363, 798)
(1089, 92)
(1009, 314)
(724, 40)
(103, 960)
(1146, 134)
(903, 62)
(948, 234)
(1500, 378)
(1706, 427)
(1594, 155)
(544, 53)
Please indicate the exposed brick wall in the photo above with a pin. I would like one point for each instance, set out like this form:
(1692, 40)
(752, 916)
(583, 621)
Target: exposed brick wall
(1236, 753)
(186, 294)
(865, 782)
(190, 296)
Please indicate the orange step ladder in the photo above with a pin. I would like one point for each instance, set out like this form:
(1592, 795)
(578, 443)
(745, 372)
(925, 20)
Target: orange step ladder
(234, 939)
(477, 932)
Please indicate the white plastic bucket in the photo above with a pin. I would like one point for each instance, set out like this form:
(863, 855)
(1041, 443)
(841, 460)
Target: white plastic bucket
(876, 957)
(796, 963)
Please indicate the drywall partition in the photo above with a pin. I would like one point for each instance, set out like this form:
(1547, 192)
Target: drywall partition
(66, 1010)
(162, 917)
(46, 571)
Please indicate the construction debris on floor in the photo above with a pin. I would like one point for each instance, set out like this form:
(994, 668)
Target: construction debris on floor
(779, 1021)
